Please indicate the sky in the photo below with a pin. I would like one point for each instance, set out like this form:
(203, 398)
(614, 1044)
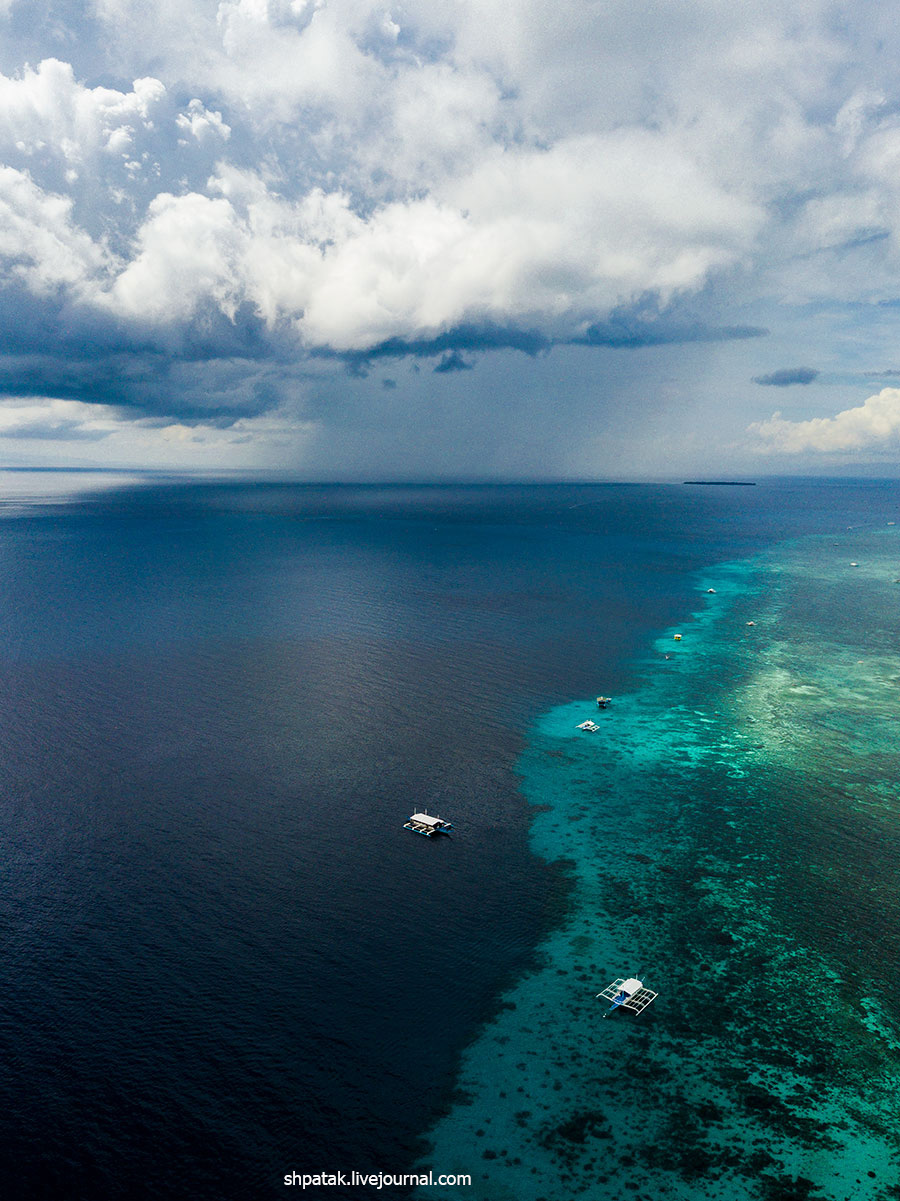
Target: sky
(451, 239)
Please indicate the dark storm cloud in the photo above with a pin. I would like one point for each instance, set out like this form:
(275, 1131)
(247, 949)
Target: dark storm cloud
(626, 334)
(218, 370)
(55, 327)
(211, 369)
(474, 338)
(785, 377)
(216, 392)
(623, 330)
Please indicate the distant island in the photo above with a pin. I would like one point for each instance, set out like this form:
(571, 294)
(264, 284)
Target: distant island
(729, 483)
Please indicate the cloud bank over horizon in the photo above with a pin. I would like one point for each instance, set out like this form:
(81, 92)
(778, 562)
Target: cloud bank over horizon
(872, 426)
(206, 209)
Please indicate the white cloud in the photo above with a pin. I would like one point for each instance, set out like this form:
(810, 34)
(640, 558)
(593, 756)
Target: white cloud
(39, 243)
(639, 217)
(276, 57)
(872, 426)
(48, 110)
(481, 161)
(200, 123)
(187, 251)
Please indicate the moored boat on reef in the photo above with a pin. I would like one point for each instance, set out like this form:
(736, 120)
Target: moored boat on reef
(628, 994)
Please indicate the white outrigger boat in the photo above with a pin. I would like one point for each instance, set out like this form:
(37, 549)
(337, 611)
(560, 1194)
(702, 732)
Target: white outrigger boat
(628, 994)
(423, 823)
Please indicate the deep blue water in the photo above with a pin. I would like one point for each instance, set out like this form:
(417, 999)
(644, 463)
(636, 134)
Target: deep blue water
(223, 957)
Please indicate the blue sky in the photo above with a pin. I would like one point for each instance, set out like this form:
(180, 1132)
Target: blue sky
(445, 238)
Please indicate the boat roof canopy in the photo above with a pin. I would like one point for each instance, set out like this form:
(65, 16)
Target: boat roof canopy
(426, 820)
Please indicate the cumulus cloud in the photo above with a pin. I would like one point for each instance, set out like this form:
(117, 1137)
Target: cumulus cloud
(410, 270)
(186, 251)
(46, 111)
(427, 191)
(202, 124)
(639, 218)
(40, 244)
(784, 377)
(872, 426)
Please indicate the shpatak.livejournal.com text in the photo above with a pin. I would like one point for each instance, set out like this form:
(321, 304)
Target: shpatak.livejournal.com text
(375, 1180)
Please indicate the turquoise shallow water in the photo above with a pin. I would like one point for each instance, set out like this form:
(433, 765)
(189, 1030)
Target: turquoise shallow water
(732, 833)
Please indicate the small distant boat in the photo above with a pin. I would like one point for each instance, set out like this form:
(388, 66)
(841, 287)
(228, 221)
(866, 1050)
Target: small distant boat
(423, 823)
(854, 565)
(628, 994)
(677, 637)
(711, 591)
(603, 702)
(590, 726)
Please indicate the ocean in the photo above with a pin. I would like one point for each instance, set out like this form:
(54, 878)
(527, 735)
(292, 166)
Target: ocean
(226, 961)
